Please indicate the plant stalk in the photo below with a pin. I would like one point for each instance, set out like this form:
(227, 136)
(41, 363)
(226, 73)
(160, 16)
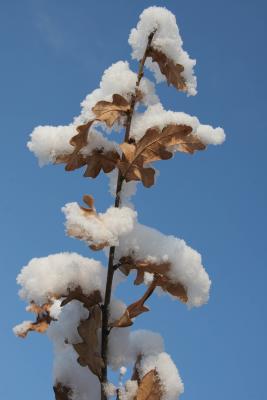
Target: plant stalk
(111, 270)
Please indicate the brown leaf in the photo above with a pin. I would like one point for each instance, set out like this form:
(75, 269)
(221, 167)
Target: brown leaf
(42, 322)
(159, 271)
(134, 309)
(110, 112)
(88, 349)
(98, 160)
(142, 266)
(154, 146)
(149, 387)
(87, 300)
(173, 72)
(62, 392)
(176, 289)
(76, 160)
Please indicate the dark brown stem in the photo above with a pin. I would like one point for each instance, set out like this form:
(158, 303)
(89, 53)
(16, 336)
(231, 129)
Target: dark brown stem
(105, 308)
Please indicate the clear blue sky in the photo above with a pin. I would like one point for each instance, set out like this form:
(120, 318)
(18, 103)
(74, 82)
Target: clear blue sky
(52, 54)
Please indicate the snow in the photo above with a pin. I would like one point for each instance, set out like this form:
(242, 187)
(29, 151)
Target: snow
(53, 275)
(156, 115)
(101, 228)
(49, 142)
(171, 383)
(144, 243)
(167, 39)
(21, 328)
(118, 78)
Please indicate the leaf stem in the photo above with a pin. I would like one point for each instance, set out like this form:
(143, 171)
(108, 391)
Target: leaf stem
(110, 273)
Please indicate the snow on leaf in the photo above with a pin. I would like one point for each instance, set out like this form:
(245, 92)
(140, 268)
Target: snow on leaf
(149, 387)
(62, 392)
(87, 300)
(110, 112)
(42, 322)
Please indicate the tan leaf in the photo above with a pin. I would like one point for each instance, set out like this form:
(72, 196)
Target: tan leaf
(88, 349)
(174, 288)
(87, 300)
(76, 160)
(154, 146)
(142, 266)
(160, 272)
(62, 392)
(173, 72)
(110, 112)
(100, 159)
(42, 322)
(149, 387)
(134, 309)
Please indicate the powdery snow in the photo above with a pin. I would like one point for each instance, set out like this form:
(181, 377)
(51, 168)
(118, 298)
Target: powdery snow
(118, 78)
(167, 39)
(104, 228)
(144, 243)
(49, 142)
(53, 275)
(156, 116)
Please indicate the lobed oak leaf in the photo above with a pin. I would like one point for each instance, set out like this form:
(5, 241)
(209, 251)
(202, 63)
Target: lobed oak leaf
(88, 349)
(100, 159)
(154, 146)
(172, 72)
(110, 112)
(62, 392)
(87, 300)
(149, 387)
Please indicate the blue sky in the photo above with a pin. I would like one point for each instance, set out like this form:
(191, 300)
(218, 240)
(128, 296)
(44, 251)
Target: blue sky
(52, 54)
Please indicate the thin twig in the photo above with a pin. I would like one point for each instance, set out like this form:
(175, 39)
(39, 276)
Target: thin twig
(105, 308)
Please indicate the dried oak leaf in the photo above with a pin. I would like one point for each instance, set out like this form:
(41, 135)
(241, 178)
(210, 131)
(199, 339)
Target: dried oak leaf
(149, 387)
(159, 271)
(135, 309)
(100, 159)
(42, 322)
(142, 266)
(88, 349)
(87, 300)
(110, 112)
(154, 146)
(172, 72)
(77, 160)
(62, 392)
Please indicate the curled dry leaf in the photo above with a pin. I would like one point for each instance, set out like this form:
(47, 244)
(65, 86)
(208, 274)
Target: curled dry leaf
(149, 387)
(62, 392)
(160, 272)
(135, 309)
(172, 72)
(87, 300)
(42, 322)
(110, 112)
(154, 146)
(78, 232)
(88, 349)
